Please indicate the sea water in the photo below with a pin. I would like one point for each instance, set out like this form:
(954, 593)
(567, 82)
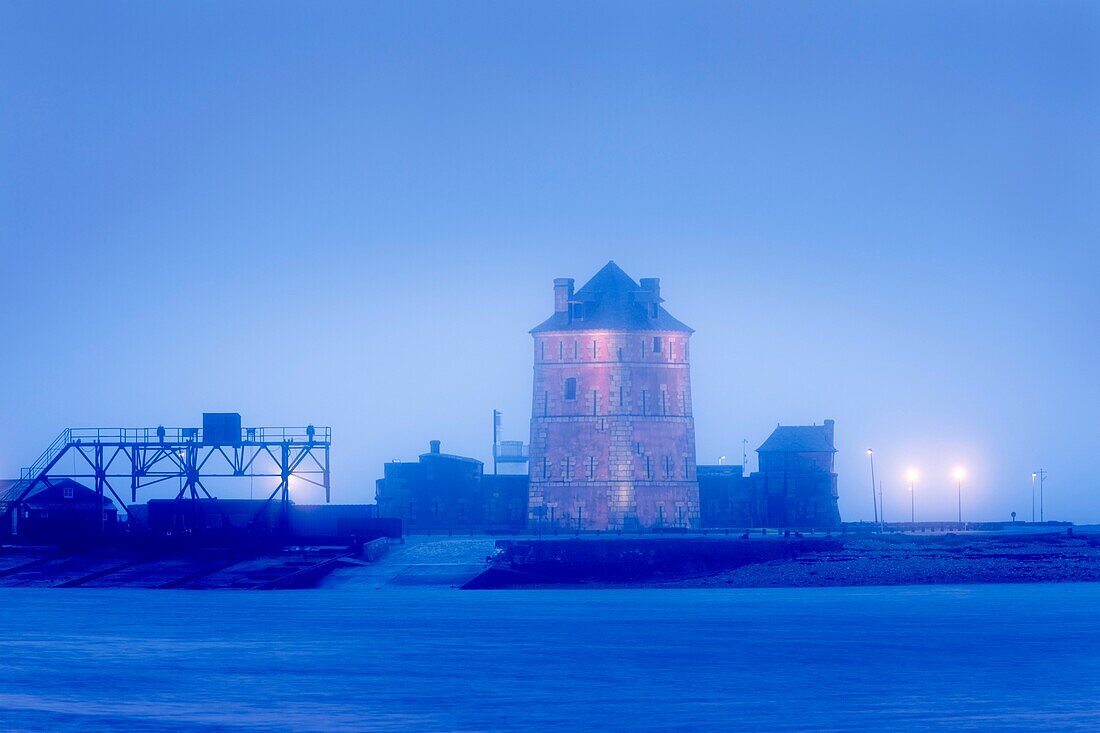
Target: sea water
(972, 658)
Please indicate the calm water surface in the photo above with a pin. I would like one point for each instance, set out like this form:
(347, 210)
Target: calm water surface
(1023, 658)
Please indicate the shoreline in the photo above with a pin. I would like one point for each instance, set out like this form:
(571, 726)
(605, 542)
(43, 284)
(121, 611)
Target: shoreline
(587, 563)
(887, 560)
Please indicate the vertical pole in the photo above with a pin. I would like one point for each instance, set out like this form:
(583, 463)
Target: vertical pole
(960, 503)
(496, 436)
(284, 471)
(912, 505)
(882, 508)
(99, 471)
(190, 465)
(134, 472)
(327, 483)
(1042, 480)
(874, 501)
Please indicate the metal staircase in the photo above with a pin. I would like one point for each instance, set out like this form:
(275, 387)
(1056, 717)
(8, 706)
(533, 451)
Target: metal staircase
(37, 470)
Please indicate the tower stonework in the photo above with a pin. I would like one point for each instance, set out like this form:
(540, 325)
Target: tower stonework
(612, 433)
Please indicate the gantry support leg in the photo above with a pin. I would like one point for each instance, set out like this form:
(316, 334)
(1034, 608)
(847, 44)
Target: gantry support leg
(134, 470)
(284, 469)
(100, 479)
(326, 472)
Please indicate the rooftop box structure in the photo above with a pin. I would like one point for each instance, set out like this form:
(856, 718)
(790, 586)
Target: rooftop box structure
(221, 428)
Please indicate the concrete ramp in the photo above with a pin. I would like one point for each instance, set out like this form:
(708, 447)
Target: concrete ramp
(451, 575)
(422, 561)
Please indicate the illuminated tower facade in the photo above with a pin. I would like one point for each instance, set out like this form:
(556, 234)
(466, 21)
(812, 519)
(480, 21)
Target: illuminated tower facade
(612, 434)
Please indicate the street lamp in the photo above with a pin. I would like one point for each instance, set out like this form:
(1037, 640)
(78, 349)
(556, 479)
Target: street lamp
(720, 459)
(1042, 474)
(1033, 477)
(912, 476)
(960, 473)
(874, 501)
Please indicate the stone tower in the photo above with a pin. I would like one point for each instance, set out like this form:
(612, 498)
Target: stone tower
(612, 436)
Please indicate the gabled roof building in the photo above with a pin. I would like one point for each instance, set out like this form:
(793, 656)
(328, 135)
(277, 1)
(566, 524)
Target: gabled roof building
(795, 485)
(612, 435)
(62, 511)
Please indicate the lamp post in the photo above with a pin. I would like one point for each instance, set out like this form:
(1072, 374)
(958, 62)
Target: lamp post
(1042, 480)
(959, 474)
(496, 439)
(874, 500)
(912, 500)
(881, 507)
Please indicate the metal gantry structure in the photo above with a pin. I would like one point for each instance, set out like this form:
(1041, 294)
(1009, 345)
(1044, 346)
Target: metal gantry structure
(151, 456)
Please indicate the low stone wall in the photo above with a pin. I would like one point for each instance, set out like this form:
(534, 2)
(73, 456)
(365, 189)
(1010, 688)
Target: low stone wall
(376, 549)
(626, 560)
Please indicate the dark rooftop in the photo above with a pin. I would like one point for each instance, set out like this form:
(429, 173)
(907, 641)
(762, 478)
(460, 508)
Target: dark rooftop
(800, 439)
(449, 457)
(52, 494)
(612, 300)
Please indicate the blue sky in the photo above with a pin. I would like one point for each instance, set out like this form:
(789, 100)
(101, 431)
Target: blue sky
(351, 214)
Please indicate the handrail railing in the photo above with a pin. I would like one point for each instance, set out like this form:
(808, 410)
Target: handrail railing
(195, 435)
(154, 436)
(58, 444)
(513, 450)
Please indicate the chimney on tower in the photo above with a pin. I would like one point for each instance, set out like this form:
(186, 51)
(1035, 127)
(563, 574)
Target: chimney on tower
(650, 296)
(652, 285)
(829, 430)
(433, 446)
(563, 291)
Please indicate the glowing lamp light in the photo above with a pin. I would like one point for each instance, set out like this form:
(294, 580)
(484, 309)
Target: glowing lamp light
(912, 475)
(960, 473)
(869, 451)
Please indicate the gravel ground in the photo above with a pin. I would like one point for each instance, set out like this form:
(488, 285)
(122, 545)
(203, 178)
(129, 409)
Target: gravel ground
(902, 560)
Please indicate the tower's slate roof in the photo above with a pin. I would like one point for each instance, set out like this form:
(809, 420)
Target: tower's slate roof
(612, 300)
(798, 439)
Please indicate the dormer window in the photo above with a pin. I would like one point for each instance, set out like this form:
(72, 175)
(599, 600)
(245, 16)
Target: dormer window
(576, 311)
(67, 492)
(652, 310)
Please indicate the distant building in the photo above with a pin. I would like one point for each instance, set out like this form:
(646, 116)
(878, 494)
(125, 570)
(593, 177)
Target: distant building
(726, 497)
(795, 486)
(612, 435)
(233, 519)
(226, 517)
(449, 492)
(64, 511)
(504, 498)
(796, 468)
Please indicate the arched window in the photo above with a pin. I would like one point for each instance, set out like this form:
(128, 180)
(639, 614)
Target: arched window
(571, 388)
